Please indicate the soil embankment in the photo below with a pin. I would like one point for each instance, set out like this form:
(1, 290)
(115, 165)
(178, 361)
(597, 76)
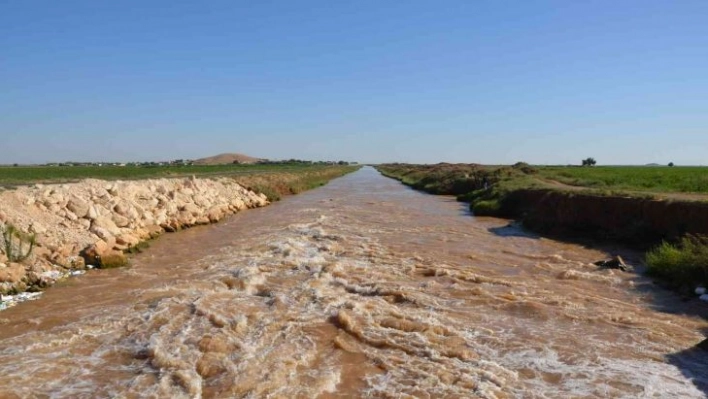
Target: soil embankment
(92, 223)
(515, 192)
(639, 222)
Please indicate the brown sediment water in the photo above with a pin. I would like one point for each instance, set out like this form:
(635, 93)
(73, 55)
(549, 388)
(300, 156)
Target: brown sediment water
(362, 288)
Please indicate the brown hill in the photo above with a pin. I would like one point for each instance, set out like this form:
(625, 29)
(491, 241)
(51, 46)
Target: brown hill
(226, 158)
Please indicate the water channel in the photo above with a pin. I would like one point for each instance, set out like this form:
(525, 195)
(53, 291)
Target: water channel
(361, 288)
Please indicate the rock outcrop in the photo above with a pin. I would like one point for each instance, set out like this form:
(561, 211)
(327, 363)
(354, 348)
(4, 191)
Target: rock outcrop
(79, 224)
(615, 263)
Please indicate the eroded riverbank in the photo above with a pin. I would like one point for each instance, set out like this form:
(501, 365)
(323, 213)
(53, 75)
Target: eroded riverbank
(361, 288)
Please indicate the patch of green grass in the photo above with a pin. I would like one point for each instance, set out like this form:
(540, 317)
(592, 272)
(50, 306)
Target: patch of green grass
(684, 264)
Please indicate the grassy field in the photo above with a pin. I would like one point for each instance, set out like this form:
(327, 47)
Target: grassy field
(638, 181)
(20, 175)
(631, 178)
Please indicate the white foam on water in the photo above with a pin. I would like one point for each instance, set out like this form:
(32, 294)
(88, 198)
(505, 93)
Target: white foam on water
(276, 318)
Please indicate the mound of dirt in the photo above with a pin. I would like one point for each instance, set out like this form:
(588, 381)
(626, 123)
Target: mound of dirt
(226, 159)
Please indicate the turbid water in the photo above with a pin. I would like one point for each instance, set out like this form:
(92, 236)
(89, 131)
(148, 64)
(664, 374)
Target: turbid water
(362, 288)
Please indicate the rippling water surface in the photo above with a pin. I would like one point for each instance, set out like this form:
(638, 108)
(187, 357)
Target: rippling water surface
(363, 288)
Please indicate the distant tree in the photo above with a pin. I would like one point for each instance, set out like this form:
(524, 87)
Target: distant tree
(671, 164)
(15, 164)
(589, 162)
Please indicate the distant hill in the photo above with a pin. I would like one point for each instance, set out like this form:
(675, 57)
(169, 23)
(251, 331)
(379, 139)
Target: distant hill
(226, 158)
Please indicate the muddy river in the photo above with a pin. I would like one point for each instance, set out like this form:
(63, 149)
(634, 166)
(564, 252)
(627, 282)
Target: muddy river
(362, 288)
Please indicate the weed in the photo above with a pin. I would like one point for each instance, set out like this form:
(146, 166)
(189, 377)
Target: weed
(17, 244)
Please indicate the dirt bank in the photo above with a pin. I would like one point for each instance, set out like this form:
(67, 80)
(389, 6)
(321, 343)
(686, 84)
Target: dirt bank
(550, 207)
(639, 222)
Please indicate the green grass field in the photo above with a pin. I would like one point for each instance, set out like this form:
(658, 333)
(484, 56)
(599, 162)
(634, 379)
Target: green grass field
(20, 175)
(662, 179)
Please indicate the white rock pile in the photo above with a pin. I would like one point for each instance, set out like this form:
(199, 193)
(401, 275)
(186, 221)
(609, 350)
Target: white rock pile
(99, 219)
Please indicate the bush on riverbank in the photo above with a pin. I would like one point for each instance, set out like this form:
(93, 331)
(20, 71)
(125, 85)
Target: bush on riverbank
(486, 207)
(683, 264)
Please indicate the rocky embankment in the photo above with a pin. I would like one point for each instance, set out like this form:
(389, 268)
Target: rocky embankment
(93, 223)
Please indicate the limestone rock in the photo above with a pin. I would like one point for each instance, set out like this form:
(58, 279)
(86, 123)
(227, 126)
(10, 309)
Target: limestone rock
(192, 209)
(94, 254)
(71, 216)
(92, 213)
(120, 221)
(238, 204)
(37, 228)
(78, 206)
(103, 217)
(127, 240)
(106, 223)
(13, 273)
(154, 231)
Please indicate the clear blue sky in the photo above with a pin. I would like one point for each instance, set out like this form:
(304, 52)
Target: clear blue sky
(549, 82)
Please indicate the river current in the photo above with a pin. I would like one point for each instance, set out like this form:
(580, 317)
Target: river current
(361, 288)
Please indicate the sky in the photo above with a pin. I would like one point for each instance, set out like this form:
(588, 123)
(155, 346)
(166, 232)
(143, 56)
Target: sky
(495, 82)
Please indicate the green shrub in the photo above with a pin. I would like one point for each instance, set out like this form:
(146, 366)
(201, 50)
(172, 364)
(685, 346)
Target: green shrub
(682, 264)
(486, 207)
(17, 244)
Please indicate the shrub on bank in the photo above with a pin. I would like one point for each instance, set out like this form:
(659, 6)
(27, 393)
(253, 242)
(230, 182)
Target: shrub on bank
(16, 244)
(682, 264)
(486, 207)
